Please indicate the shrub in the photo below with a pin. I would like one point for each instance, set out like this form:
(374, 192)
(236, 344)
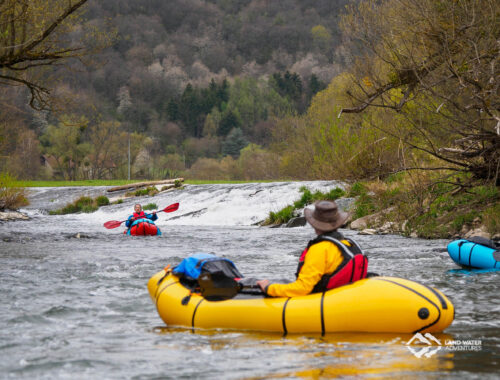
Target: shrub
(357, 189)
(363, 206)
(307, 198)
(82, 204)
(152, 190)
(150, 206)
(282, 216)
(141, 192)
(83, 201)
(102, 201)
(89, 208)
(334, 194)
(491, 218)
(11, 197)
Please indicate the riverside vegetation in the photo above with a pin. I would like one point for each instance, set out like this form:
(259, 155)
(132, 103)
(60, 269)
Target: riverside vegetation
(11, 196)
(404, 108)
(411, 205)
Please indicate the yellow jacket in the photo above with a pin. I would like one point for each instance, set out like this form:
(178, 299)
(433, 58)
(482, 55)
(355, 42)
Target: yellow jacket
(322, 258)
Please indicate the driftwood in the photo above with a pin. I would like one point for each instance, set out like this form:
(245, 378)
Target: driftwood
(138, 185)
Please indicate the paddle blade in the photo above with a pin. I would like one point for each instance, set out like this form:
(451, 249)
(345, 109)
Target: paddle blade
(112, 224)
(172, 207)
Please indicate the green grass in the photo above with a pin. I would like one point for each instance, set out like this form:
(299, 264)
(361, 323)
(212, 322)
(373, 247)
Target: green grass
(120, 182)
(96, 182)
(307, 198)
(150, 206)
(82, 204)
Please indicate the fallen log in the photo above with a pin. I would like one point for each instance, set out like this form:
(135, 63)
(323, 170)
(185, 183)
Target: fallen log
(137, 185)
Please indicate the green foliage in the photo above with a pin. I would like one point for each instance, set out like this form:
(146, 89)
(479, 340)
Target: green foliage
(307, 198)
(364, 205)
(102, 201)
(114, 182)
(152, 190)
(357, 189)
(334, 194)
(150, 206)
(230, 120)
(65, 143)
(461, 219)
(315, 86)
(82, 204)
(424, 206)
(288, 85)
(491, 218)
(11, 197)
(281, 216)
(235, 141)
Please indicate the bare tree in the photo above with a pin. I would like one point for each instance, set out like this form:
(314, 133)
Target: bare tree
(35, 34)
(436, 63)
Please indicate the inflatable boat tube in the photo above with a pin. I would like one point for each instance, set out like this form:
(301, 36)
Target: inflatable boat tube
(143, 227)
(376, 304)
(474, 255)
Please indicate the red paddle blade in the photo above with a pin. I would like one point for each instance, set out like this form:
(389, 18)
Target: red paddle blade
(171, 208)
(112, 224)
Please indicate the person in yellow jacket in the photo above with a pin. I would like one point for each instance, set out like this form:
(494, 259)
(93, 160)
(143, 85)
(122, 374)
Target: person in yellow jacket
(322, 257)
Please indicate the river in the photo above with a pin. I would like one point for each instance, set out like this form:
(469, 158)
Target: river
(74, 302)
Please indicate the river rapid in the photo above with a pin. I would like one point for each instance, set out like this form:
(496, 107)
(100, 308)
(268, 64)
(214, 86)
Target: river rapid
(74, 302)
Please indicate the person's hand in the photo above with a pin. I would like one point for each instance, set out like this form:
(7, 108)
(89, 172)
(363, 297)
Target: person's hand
(263, 284)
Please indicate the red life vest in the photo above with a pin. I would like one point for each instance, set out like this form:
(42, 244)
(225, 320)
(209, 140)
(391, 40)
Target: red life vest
(140, 215)
(353, 267)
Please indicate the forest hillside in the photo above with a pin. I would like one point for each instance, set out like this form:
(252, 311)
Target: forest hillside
(182, 80)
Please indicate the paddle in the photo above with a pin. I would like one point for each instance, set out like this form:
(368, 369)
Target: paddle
(115, 223)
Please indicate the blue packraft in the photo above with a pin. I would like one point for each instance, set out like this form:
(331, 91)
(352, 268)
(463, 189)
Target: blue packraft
(475, 252)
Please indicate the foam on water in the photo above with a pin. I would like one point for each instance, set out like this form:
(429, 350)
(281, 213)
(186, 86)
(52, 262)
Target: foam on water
(208, 205)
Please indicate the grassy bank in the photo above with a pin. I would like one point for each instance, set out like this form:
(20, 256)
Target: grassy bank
(120, 182)
(97, 182)
(418, 204)
(12, 196)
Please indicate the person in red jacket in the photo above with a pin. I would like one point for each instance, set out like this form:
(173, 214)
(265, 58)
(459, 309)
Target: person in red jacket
(140, 214)
(330, 260)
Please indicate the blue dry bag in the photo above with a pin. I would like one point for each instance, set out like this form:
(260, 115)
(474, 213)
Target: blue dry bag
(191, 267)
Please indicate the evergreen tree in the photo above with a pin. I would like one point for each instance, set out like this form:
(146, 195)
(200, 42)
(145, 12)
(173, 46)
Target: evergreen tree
(173, 110)
(315, 85)
(229, 121)
(189, 110)
(223, 94)
(235, 141)
(289, 85)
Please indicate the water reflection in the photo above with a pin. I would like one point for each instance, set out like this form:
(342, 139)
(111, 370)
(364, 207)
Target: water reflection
(333, 355)
(471, 271)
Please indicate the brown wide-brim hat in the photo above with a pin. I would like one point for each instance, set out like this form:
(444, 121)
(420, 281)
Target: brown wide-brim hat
(326, 216)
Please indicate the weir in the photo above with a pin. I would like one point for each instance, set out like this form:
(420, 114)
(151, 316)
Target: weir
(210, 205)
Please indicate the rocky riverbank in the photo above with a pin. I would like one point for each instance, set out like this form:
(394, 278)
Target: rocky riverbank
(381, 223)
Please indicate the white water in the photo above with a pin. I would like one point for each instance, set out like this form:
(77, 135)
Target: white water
(203, 205)
(74, 303)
